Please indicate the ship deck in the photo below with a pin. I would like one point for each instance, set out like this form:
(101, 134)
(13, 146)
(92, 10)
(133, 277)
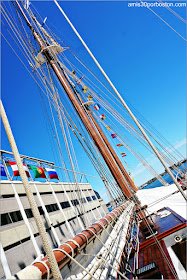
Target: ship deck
(154, 259)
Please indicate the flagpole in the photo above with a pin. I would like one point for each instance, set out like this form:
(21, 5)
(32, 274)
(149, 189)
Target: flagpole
(124, 104)
(30, 196)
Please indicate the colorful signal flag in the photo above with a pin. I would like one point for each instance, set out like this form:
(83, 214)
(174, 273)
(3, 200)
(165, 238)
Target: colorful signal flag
(119, 145)
(102, 117)
(90, 97)
(108, 127)
(114, 135)
(96, 107)
(123, 154)
(78, 82)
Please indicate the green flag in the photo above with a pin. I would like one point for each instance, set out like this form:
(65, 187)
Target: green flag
(38, 171)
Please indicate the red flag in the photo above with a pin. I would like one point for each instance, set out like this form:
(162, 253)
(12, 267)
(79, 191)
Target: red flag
(15, 168)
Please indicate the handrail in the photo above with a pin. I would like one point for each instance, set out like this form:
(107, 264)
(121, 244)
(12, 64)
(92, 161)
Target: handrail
(79, 242)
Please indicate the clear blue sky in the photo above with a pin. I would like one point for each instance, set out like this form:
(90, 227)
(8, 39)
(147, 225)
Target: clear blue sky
(143, 57)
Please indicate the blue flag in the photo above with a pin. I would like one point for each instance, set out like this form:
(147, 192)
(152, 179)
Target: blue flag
(3, 173)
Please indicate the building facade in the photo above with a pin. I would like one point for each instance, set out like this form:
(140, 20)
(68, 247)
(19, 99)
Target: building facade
(66, 209)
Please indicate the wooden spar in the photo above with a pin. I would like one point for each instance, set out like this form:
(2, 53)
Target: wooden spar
(126, 107)
(102, 135)
(119, 163)
(113, 167)
(95, 136)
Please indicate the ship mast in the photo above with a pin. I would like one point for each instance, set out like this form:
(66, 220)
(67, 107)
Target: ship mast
(158, 155)
(111, 163)
(105, 140)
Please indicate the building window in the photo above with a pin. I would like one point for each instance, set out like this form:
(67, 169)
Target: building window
(7, 195)
(41, 210)
(88, 198)
(93, 197)
(5, 219)
(29, 213)
(83, 200)
(52, 207)
(75, 202)
(97, 194)
(65, 204)
(16, 216)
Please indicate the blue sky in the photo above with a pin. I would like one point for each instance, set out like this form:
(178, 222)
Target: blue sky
(143, 57)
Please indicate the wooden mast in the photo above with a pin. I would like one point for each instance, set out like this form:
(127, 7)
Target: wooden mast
(116, 158)
(112, 165)
(119, 163)
(157, 153)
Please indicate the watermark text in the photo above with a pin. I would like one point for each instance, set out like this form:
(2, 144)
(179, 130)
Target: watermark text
(143, 4)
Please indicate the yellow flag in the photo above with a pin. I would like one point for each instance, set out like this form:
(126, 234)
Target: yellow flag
(90, 97)
(84, 89)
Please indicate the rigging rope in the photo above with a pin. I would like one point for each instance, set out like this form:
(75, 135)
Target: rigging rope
(61, 40)
(173, 12)
(165, 22)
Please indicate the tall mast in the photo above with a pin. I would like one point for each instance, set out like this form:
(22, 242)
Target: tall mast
(105, 140)
(125, 105)
(113, 167)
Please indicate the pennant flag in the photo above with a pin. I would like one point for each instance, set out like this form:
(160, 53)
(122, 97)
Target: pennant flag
(73, 72)
(129, 173)
(114, 135)
(108, 127)
(123, 154)
(126, 164)
(38, 171)
(102, 117)
(89, 97)
(119, 145)
(15, 169)
(132, 179)
(78, 82)
(97, 107)
(3, 173)
(52, 173)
